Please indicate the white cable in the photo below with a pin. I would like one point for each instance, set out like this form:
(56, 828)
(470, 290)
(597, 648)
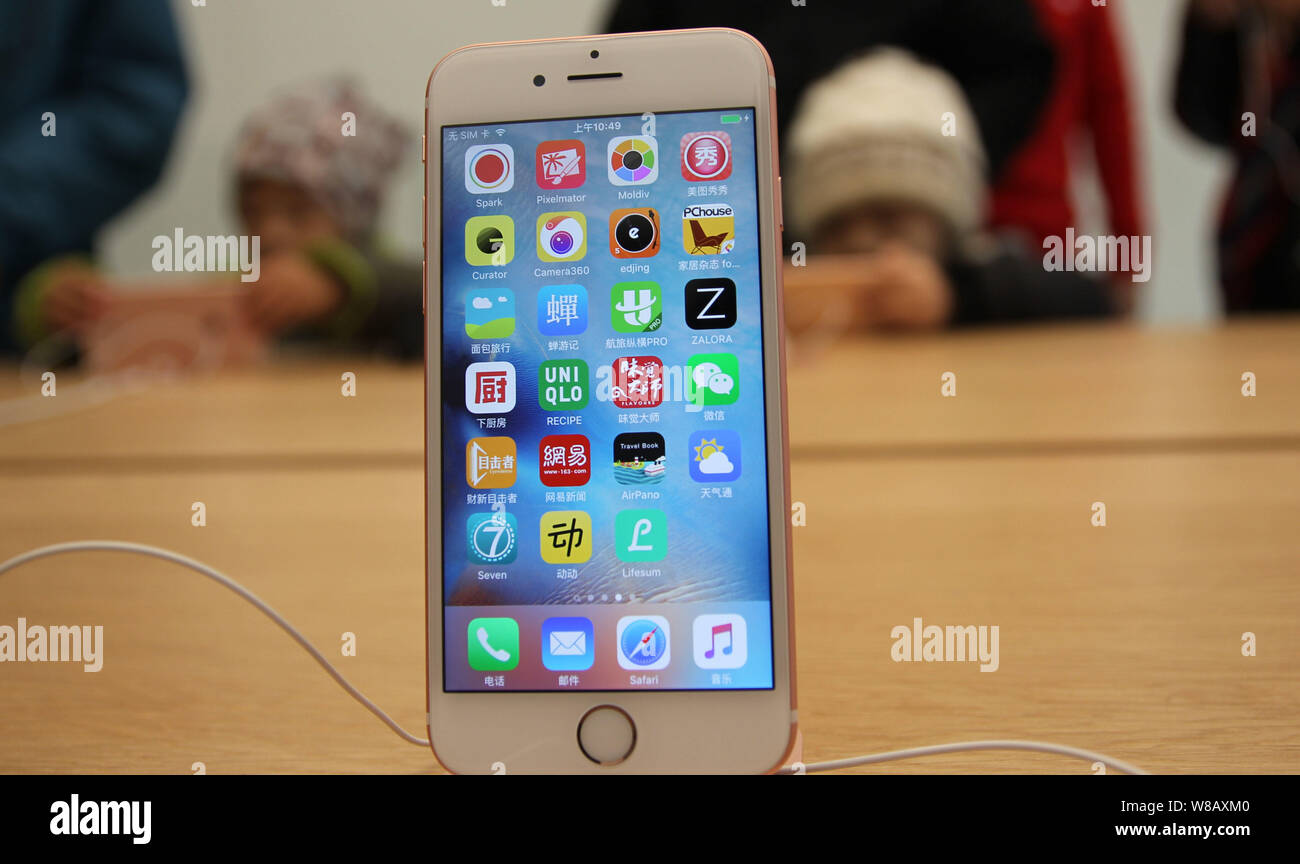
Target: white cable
(219, 577)
(963, 746)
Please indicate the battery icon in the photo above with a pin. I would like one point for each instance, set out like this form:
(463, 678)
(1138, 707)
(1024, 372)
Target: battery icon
(730, 118)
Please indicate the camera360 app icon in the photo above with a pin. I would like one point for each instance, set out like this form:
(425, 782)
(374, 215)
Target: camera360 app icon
(561, 236)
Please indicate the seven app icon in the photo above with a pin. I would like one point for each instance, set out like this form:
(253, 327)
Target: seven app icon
(720, 641)
(706, 156)
(562, 310)
(568, 644)
(561, 164)
(639, 458)
(490, 313)
(710, 304)
(564, 460)
(636, 307)
(708, 229)
(566, 537)
(634, 233)
(637, 382)
(633, 160)
(489, 168)
(561, 236)
(493, 644)
(641, 535)
(714, 456)
(491, 463)
(493, 538)
(562, 385)
(711, 379)
(490, 387)
(489, 240)
(643, 642)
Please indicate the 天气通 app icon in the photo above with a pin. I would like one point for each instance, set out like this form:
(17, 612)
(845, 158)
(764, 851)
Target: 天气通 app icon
(714, 456)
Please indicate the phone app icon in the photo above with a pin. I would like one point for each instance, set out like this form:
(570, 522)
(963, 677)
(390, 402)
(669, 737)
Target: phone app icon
(637, 382)
(634, 233)
(489, 168)
(491, 463)
(566, 537)
(562, 385)
(710, 304)
(490, 387)
(714, 456)
(568, 644)
(490, 240)
(564, 460)
(562, 236)
(643, 642)
(706, 156)
(562, 310)
(633, 160)
(711, 379)
(720, 641)
(641, 535)
(489, 313)
(493, 538)
(708, 229)
(561, 164)
(636, 307)
(493, 644)
(639, 458)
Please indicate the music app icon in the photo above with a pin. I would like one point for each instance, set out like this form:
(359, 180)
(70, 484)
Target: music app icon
(719, 641)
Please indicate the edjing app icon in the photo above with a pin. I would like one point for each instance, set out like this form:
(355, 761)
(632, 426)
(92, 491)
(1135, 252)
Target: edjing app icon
(490, 240)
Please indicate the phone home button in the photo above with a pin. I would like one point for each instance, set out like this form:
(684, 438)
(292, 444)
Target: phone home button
(606, 735)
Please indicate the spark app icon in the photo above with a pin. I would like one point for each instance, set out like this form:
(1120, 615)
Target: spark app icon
(636, 307)
(706, 156)
(489, 168)
(633, 160)
(566, 537)
(489, 240)
(714, 456)
(490, 387)
(564, 460)
(708, 229)
(561, 164)
(490, 463)
(643, 642)
(561, 236)
(562, 310)
(637, 382)
(490, 313)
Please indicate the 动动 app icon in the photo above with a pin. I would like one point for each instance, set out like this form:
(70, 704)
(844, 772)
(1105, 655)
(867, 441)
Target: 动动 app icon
(561, 236)
(492, 538)
(489, 313)
(714, 456)
(641, 535)
(711, 379)
(564, 460)
(636, 307)
(566, 536)
(489, 168)
(562, 385)
(633, 160)
(489, 240)
(643, 642)
(491, 463)
(562, 310)
(493, 644)
(637, 382)
(490, 387)
(634, 233)
(639, 458)
(708, 229)
(568, 644)
(561, 164)
(720, 641)
(706, 156)
(710, 304)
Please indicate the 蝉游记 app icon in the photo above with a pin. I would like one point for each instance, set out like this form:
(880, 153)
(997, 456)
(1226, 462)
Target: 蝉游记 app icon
(561, 164)
(636, 307)
(492, 538)
(643, 642)
(493, 644)
(711, 379)
(489, 168)
(714, 456)
(562, 310)
(489, 313)
(489, 240)
(633, 160)
(568, 644)
(562, 236)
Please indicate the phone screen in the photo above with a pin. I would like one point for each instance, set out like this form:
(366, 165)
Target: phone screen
(604, 484)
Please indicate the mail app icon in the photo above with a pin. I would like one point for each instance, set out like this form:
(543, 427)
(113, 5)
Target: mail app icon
(568, 644)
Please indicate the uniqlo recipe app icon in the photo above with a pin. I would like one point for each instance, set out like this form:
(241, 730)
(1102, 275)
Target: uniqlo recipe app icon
(490, 387)
(706, 156)
(564, 460)
(638, 382)
(561, 164)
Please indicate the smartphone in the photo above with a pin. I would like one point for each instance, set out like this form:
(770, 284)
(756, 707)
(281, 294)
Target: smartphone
(607, 486)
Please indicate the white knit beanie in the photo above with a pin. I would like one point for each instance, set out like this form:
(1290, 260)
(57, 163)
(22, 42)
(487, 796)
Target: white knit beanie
(873, 131)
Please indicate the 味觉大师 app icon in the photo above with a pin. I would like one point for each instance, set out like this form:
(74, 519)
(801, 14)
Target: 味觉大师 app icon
(562, 385)
(561, 164)
(639, 458)
(643, 642)
(710, 303)
(633, 160)
(490, 387)
(634, 233)
(492, 538)
(568, 644)
(561, 236)
(562, 310)
(489, 313)
(489, 168)
(637, 382)
(491, 462)
(636, 307)
(711, 379)
(493, 644)
(714, 456)
(489, 240)
(641, 535)
(566, 536)
(564, 460)
(706, 156)
(708, 229)
(720, 641)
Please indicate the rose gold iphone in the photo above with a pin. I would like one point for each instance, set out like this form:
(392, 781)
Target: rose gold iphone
(607, 476)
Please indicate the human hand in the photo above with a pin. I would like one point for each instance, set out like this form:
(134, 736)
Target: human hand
(904, 289)
(76, 296)
(291, 290)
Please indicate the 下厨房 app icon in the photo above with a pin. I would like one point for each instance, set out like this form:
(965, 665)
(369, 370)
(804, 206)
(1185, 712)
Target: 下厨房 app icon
(489, 168)
(708, 229)
(711, 379)
(710, 304)
(643, 642)
(568, 644)
(490, 313)
(489, 240)
(490, 387)
(566, 537)
(562, 310)
(720, 641)
(491, 462)
(561, 164)
(641, 535)
(706, 156)
(493, 538)
(639, 458)
(562, 385)
(564, 460)
(634, 233)
(637, 382)
(561, 236)
(714, 456)
(633, 160)
(636, 307)
(493, 644)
